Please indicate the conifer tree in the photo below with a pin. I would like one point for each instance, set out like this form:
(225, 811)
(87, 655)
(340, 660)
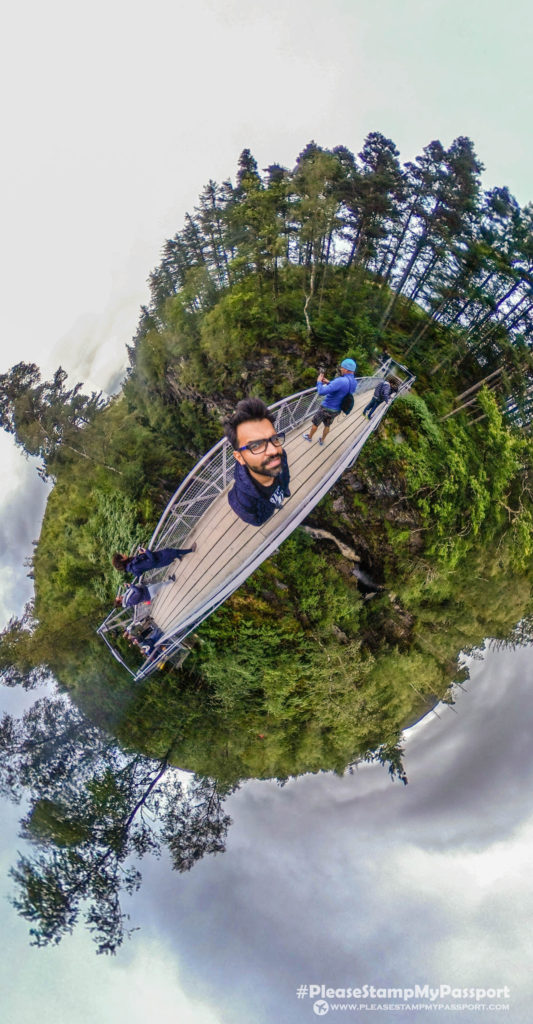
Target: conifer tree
(44, 416)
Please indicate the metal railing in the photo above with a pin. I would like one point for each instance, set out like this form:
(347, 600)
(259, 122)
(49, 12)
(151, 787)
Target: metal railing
(209, 478)
(214, 473)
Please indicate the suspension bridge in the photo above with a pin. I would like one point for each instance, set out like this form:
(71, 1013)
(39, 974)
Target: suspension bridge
(229, 550)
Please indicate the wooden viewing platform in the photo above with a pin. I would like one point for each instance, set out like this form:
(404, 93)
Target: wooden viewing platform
(229, 550)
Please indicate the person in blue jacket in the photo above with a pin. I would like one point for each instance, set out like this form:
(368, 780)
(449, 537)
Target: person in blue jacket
(148, 643)
(141, 593)
(262, 472)
(382, 393)
(334, 393)
(145, 559)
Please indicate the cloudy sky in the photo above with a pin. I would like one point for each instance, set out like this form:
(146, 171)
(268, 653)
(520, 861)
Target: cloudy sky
(114, 116)
(341, 882)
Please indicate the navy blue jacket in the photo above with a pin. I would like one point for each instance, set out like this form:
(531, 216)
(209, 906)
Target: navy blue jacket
(248, 502)
(382, 391)
(135, 594)
(138, 564)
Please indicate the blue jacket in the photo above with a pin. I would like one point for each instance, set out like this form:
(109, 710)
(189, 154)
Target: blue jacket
(138, 564)
(336, 390)
(249, 503)
(382, 391)
(135, 594)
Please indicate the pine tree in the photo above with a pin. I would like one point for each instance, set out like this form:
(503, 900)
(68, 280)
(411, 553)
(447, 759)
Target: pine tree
(44, 416)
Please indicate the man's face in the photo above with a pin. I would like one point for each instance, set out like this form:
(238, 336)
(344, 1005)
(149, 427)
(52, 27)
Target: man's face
(267, 463)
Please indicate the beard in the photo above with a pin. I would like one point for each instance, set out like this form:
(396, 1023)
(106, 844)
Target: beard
(267, 469)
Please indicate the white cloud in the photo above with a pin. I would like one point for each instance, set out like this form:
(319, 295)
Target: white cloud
(118, 113)
(360, 879)
(21, 509)
(71, 985)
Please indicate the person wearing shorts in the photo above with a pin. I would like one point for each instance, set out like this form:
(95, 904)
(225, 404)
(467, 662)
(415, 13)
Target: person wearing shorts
(334, 393)
(325, 416)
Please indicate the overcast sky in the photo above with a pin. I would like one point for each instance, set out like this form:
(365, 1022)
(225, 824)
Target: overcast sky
(328, 881)
(114, 116)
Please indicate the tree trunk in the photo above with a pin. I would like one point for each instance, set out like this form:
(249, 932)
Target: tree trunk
(460, 409)
(398, 290)
(479, 384)
(403, 232)
(423, 278)
(309, 297)
(469, 302)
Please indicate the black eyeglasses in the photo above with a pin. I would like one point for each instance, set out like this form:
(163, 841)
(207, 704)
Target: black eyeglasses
(260, 446)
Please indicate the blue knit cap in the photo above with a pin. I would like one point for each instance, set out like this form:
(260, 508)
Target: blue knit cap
(349, 364)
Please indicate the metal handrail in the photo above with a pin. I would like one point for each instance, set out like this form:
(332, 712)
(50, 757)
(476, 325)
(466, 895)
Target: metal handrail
(211, 476)
(221, 446)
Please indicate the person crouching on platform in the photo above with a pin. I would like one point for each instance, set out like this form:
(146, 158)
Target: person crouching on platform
(145, 559)
(334, 393)
(262, 471)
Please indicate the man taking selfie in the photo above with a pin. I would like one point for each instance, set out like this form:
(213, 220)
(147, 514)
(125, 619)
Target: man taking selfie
(262, 471)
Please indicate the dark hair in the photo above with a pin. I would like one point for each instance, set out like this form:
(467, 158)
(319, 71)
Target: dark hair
(119, 561)
(247, 409)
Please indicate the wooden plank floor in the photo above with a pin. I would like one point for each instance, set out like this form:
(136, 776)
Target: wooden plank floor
(225, 543)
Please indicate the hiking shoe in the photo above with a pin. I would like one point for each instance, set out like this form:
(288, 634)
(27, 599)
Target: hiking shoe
(307, 437)
(193, 547)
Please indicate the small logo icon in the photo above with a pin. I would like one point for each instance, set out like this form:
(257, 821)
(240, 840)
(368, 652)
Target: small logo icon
(321, 1007)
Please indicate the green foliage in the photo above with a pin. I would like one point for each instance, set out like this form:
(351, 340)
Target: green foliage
(270, 278)
(455, 478)
(49, 822)
(92, 809)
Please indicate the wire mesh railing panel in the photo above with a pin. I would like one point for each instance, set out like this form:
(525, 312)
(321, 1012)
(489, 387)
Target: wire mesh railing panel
(209, 478)
(292, 413)
(214, 473)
